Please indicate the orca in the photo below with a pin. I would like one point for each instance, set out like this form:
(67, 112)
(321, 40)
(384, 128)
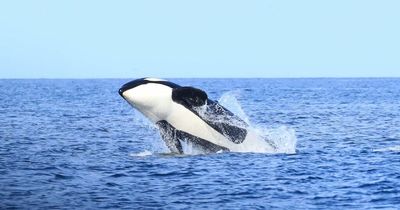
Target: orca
(186, 114)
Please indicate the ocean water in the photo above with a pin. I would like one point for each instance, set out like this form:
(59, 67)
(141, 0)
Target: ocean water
(76, 144)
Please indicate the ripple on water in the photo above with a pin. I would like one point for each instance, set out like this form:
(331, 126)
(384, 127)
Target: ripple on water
(62, 176)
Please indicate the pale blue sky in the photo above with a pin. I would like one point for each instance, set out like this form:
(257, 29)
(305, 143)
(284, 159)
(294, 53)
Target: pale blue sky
(129, 39)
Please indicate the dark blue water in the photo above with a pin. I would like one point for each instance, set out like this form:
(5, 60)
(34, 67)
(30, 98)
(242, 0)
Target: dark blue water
(73, 144)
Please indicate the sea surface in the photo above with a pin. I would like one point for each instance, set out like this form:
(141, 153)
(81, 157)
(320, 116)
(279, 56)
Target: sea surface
(76, 144)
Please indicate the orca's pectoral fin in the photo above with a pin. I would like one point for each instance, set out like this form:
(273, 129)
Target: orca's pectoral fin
(168, 134)
(189, 96)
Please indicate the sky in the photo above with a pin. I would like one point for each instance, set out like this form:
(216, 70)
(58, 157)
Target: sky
(207, 38)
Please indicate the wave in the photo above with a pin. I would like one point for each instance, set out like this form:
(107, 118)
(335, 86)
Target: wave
(389, 149)
(142, 154)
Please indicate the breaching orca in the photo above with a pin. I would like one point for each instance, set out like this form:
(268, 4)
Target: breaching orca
(185, 114)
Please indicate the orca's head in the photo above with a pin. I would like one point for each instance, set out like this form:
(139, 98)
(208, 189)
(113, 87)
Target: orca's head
(150, 96)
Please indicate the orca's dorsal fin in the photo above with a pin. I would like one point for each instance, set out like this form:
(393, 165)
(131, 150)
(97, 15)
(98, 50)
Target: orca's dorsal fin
(189, 96)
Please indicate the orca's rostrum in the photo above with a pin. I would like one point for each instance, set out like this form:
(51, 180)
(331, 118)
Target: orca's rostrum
(186, 114)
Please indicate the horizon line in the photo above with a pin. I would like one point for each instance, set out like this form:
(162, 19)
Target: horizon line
(307, 77)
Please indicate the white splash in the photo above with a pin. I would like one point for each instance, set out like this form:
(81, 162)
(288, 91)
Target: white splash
(190, 149)
(260, 139)
(271, 140)
(229, 101)
(141, 154)
(389, 149)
